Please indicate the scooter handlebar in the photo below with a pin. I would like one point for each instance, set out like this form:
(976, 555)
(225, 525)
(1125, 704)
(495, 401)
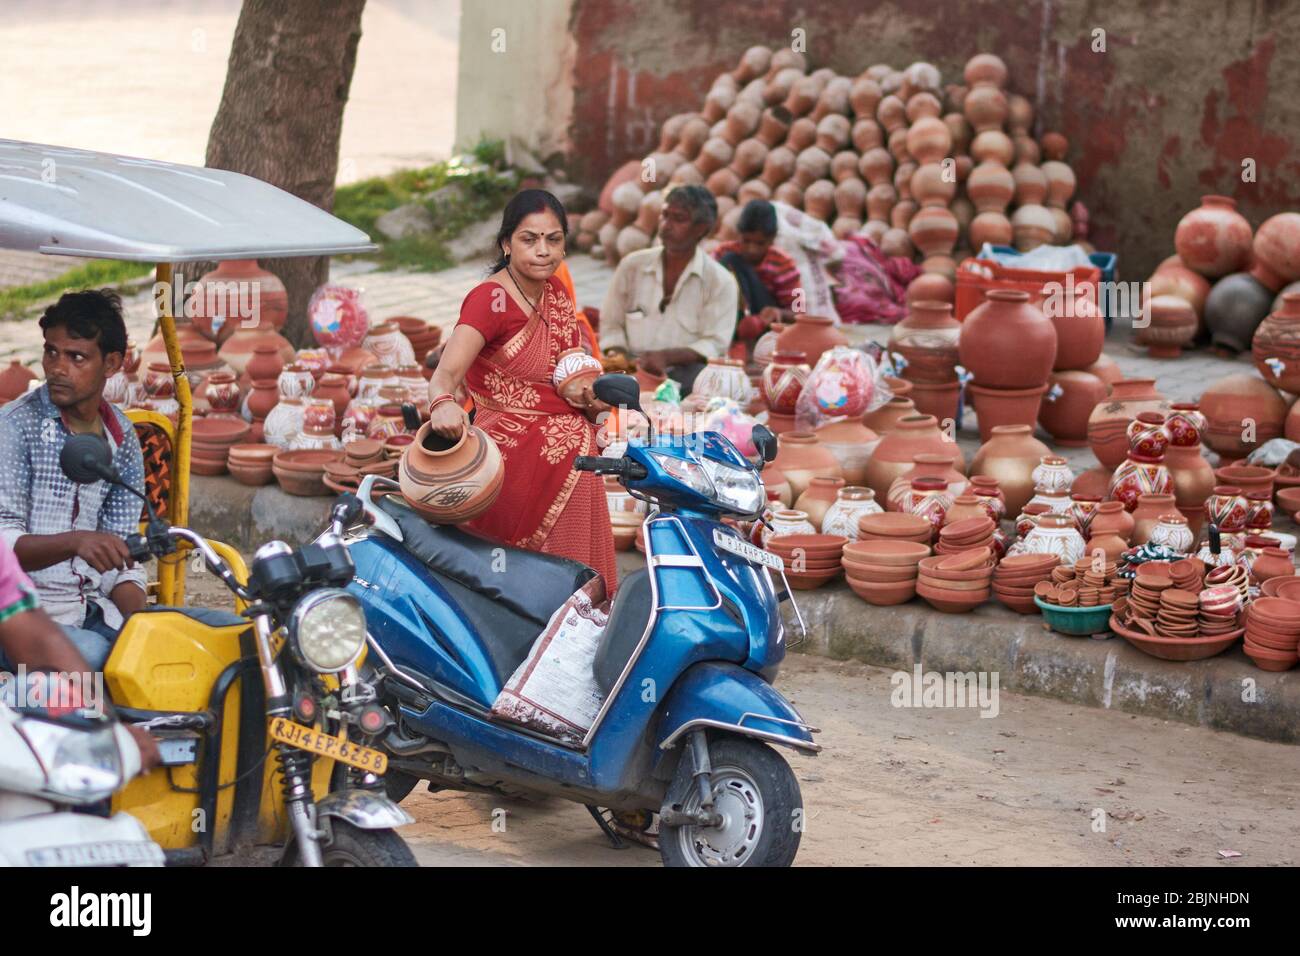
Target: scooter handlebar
(622, 467)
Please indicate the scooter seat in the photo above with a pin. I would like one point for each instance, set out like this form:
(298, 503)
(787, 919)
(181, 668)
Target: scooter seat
(529, 584)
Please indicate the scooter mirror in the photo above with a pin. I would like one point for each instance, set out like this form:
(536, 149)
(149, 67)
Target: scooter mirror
(765, 442)
(86, 459)
(621, 391)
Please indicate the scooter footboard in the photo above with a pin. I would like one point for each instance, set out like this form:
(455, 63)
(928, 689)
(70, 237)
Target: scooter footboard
(723, 696)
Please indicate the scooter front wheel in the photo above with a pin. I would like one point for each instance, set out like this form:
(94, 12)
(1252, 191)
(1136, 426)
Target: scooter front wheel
(758, 798)
(353, 846)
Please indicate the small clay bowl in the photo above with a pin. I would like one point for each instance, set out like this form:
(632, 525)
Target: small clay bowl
(929, 567)
(880, 575)
(884, 595)
(967, 528)
(900, 553)
(966, 560)
(253, 475)
(894, 524)
(1023, 562)
(253, 452)
(1276, 611)
(949, 601)
(949, 585)
(1288, 499)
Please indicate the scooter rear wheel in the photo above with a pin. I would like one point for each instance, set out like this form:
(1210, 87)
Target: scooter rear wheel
(758, 796)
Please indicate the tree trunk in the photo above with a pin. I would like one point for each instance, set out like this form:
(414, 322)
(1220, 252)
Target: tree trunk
(281, 115)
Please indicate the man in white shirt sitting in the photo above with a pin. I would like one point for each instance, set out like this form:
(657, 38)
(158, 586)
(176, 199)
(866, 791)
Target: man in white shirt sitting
(672, 307)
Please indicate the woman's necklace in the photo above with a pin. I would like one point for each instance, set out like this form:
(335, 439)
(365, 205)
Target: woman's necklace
(532, 305)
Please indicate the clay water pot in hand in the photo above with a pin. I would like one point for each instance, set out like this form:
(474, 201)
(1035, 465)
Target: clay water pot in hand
(1109, 421)
(451, 481)
(1007, 316)
(1214, 239)
(1010, 455)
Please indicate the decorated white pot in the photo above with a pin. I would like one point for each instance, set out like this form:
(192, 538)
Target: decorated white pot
(1055, 534)
(851, 503)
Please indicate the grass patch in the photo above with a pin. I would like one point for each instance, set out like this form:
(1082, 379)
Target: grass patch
(481, 185)
(98, 273)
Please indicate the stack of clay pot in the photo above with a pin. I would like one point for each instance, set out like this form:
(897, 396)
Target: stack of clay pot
(1009, 346)
(1224, 279)
(926, 340)
(924, 169)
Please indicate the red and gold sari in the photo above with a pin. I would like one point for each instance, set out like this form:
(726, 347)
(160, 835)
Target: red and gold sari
(544, 504)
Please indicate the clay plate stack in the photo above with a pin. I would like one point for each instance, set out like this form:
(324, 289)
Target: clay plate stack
(251, 464)
(1220, 610)
(970, 534)
(895, 526)
(211, 441)
(302, 472)
(369, 457)
(1015, 577)
(811, 560)
(339, 476)
(1179, 614)
(956, 583)
(883, 572)
(1272, 633)
(1233, 574)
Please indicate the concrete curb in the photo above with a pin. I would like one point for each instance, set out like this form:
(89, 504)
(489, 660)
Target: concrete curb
(1027, 658)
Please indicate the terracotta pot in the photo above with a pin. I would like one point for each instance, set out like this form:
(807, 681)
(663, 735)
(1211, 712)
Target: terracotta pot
(801, 458)
(812, 335)
(999, 407)
(1139, 476)
(14, 379)
(990, 187)
(990, 227)
(1010, 455)
(933, 230)
(1147, 515)
(450, 482)
(1032, 226)
(895, 455)
(1247, 478)
(927, 338)
(1276, 250)
(819, 200)
(1236, 405)
(263, 398)
(1180, 281)
(334, 388)
(238, 293)
(1006, 316)
(1276, 345)
(1235, 307)
(930, 287)
(985, 107)
(886, 418)
(927, 465)
(783, 380)
(1094, 481)
(851, 503)
(1272, 563)
(1080, 329)
(1110, 545)
(1171, 326)
(986, 490)
(1106, 369)
(926, 498)
(1193, 482)
(1109, 421)
(1070, 398)
(940, 400)
(818, 497)
(852, 443)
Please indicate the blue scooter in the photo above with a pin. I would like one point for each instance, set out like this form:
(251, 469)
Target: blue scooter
(685, 663)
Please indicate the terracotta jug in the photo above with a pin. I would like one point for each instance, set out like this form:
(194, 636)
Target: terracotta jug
(801, 458)
(1111, 518)
(812, 335)
(1010, 456)
(1007, 316)
(1272, 563)
(265, 362)
(1109, 421)
(451, 481)
(1214, 239)
(927, 338)
(895, 455)
(263, 398)
(1071, 396)
(852, 444)
(1147, 515)
(818, 497)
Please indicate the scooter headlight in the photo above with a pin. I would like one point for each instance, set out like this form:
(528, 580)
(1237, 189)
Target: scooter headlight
(687, 472)
(328, 629)
(82, 764)
(737, 488)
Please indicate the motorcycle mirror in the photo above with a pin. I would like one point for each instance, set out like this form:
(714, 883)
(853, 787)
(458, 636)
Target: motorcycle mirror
(765, 442)
(621, 391)
(86, 459)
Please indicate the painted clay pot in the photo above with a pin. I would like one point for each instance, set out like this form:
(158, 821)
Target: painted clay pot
(886, 418)
(927, 338)
(1276, 345)
(851, 503)
(990, 227)
(852, 443)
(927, 465)
(801, 458)
(1109, 421)
(451, 481)
(1276, 251)
(1235, 307)
(1143, 472)
(1082, 509)
(986, 490)
(1070, 398)
(221, 391)
(1185, 423)
(1055, 534)
(1150, 508)
(334, 388)
(1005, 407)
(1227, 509)
(785, 523)
(783, 380)
(812, 335)
(926, 498)
(1171, 326)
(818, 497)
(1010, 455)
(895, 455)
(1112, 518)
(1241, 413)
(1180, 281)
(1006, 316)
(724, 378)
(1214, 238)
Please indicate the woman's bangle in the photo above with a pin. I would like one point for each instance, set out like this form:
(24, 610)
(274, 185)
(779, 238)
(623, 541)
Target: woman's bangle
(439, 399)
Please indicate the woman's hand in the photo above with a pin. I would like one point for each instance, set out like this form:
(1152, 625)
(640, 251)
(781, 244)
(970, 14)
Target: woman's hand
(447, 420)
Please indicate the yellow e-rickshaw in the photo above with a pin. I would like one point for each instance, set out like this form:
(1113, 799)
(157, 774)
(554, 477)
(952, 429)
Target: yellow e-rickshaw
(193, 685)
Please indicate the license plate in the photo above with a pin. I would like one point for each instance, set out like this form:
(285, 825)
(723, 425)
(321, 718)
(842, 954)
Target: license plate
(327, 745)
(743, 549)
(108, 853)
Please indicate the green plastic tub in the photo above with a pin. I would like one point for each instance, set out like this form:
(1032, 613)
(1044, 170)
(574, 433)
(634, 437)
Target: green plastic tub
(1075, 621)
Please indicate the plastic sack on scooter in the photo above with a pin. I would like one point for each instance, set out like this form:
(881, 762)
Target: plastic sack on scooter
(846, 383)
(554, 690)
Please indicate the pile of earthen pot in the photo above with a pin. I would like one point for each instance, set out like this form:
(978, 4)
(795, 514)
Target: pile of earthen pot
(923, 168)
(1223, 282)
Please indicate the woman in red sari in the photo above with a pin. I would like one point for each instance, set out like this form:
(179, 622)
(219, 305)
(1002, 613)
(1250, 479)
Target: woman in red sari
(512, 328)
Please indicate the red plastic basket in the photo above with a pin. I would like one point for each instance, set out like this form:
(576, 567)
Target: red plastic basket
(977, 276)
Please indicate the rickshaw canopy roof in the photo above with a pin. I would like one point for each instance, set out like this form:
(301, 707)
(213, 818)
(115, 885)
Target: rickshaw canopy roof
(75, 202)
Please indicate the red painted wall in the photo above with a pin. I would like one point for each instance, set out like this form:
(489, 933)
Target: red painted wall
(1181, 95)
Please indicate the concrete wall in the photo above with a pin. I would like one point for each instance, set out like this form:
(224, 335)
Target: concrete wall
(516, 73)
